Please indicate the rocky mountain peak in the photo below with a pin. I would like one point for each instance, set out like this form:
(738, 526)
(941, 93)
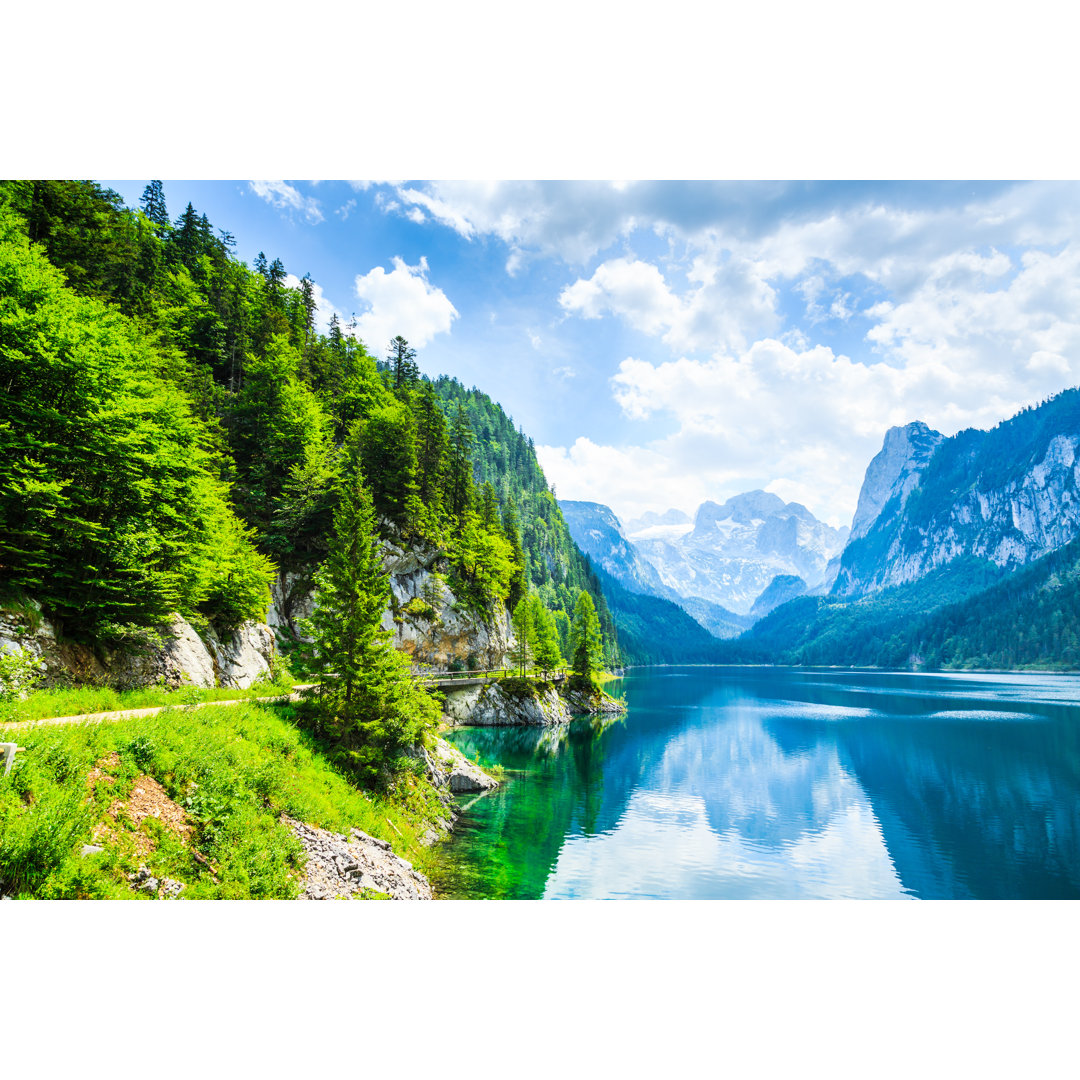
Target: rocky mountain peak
(895, 471)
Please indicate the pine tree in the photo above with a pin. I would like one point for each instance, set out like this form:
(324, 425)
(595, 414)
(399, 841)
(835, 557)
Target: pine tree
(524, 635)
(402, 361)
(367, 698)
(153, 204)
(585, 640)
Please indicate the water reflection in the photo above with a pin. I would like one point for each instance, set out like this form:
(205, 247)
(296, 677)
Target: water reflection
(761, 783)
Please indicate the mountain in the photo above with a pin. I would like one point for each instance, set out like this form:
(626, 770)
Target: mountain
(894, 472)
(652, 520)
(598, 532)
(653, 630)
(731, 552)
(781, 589)
(1007, 496)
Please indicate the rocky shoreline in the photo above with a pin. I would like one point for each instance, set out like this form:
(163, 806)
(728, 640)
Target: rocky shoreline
(357, 866)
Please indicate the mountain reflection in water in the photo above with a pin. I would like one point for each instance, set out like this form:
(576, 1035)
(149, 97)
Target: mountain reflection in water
(772, 783)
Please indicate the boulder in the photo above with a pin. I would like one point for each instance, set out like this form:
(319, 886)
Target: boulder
(448, 767)
(498, 704)
(181, 659)
(244, 656)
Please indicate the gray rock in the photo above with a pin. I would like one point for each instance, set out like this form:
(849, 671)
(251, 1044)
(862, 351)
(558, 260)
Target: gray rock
(447, 767)
(244, 656)
(493, 705)
(91, 849)
(341, 867)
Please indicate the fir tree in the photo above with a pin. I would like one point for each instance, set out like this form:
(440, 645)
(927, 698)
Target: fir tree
(402, 360)
(367, 698)
(153, 204)
(586, 642)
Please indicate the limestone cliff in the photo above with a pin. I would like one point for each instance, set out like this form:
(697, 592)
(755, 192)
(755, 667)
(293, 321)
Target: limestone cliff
(425, 617)
(1007, 496)
(172, 654)
(509, 703)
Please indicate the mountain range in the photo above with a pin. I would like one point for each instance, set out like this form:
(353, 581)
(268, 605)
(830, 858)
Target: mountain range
(719, 565)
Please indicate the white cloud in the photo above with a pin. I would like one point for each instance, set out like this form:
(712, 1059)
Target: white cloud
(727, 305)
(346, 209)
(283, 196)
(401, 302)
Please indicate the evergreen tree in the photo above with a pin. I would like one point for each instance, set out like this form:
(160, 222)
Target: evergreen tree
(586, 643)
(367, 699)
(402, 360)
(523, 622)
(512, 532)
(153, 204)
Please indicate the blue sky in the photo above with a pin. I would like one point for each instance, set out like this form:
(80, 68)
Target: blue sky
(668, 342)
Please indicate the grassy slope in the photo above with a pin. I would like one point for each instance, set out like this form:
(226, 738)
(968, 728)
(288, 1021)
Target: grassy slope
(233, 770)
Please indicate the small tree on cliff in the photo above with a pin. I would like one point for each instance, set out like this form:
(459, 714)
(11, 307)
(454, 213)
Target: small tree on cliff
(524, 624)
(367, 699)
(585, 641)
(548, 655)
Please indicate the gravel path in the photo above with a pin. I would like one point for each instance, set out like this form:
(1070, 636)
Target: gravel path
(128, 714)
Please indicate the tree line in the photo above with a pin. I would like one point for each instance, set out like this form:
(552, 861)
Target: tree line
(174, 430)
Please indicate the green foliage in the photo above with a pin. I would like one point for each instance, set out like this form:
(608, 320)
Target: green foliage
(548, 653)
(586, 646)
(524, 624)
(367, 699)
(545, 557)
(233, 770)
(110, 507)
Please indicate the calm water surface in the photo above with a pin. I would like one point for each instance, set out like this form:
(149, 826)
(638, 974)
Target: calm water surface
(763, 783)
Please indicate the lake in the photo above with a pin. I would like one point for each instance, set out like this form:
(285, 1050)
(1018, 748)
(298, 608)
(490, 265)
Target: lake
(764, 783)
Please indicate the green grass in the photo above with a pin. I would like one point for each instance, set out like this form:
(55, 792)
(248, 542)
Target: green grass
(233, 770)
(75, 701)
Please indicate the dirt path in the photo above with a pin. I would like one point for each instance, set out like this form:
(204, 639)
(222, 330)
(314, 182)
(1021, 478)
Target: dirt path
(130, 714)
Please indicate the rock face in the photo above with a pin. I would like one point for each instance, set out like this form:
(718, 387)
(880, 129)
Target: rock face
(894, 472)
(1007, 496)
(242, 657)
(424, 616)
(341, 867)
(582, 702)
(734, 550)
(447, 767)
(431, 626)
(173, 655)
(495, 705)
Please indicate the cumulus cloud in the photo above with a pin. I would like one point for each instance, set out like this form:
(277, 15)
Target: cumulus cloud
(403, 302)
(726, 305)
(958, 304)
(283, 196)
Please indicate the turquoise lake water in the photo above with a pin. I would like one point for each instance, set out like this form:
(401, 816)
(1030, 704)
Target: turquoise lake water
(772, 783)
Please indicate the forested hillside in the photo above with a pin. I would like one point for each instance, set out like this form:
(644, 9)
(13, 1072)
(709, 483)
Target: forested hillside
(173, 429)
